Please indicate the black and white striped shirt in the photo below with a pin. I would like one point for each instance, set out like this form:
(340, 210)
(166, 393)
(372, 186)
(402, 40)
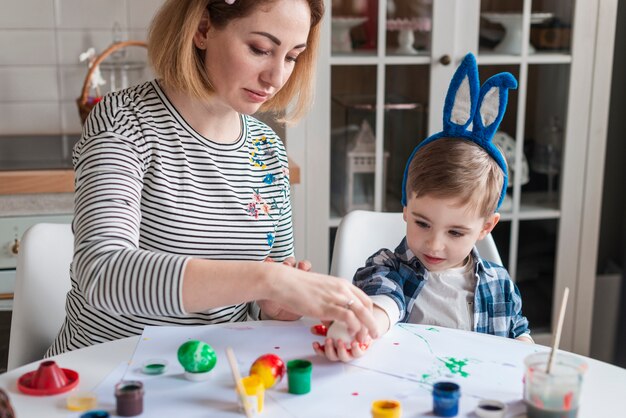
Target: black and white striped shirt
(151, 193)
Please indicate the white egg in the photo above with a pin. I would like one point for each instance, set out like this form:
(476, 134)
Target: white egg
(339, 331)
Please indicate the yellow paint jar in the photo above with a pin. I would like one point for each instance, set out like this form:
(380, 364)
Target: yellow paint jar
(82, 401)
(386, 409)
(255, 391)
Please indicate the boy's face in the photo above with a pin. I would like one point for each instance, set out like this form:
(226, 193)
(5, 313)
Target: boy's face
(441, 232)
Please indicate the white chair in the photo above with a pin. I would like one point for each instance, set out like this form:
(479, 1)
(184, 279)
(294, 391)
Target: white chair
(41, 284)
(361, 233)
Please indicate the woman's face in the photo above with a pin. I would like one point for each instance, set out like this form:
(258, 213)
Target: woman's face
(252, 58)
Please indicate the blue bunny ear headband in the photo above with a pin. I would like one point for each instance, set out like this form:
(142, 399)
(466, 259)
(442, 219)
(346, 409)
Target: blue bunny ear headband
(469, 103)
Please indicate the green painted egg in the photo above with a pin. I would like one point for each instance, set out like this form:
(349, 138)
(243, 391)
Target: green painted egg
(197, 356)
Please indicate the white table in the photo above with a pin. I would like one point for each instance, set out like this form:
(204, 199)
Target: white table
(604, 384)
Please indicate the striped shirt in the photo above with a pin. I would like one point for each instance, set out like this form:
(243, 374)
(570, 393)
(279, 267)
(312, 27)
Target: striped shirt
(399, 275)
(151, 193)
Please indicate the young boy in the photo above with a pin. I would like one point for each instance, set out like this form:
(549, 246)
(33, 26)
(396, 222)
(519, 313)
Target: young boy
(453, 185)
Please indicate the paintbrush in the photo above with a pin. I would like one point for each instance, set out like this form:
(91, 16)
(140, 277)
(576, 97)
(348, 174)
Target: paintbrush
(559, 327)
(240, 389)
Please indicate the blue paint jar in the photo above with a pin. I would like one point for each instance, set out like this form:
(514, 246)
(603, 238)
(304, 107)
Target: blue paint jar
(446, 399)
(95, 414)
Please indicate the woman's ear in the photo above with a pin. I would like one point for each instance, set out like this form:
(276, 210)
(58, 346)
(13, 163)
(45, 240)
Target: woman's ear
(490, 222)
(200, 37)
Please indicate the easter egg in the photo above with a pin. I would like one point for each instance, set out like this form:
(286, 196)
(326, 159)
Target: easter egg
(197, 356)
(270, 368)
(339, 331)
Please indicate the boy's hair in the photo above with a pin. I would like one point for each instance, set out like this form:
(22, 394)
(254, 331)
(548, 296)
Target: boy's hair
(456, 168)
(180, 65)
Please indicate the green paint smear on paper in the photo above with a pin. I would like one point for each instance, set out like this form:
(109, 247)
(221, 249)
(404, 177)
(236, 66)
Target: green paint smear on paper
(456, 366)
(425, 342)
(432, 329)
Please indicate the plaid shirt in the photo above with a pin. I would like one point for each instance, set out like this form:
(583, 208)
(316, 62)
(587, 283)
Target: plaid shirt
(401, 276)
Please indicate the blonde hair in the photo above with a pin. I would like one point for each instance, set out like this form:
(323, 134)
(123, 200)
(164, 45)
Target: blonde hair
(180, 65)
(456, 168)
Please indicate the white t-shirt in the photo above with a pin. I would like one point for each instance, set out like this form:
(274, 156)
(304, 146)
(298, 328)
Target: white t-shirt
(447, 299)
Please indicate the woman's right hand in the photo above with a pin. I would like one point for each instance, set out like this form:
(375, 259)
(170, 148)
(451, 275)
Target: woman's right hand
(323, 297)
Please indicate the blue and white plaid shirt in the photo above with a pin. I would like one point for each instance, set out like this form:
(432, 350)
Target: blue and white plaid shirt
(401, 276)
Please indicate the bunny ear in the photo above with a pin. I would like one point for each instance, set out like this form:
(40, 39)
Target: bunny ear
(492, 102)
(462, 97)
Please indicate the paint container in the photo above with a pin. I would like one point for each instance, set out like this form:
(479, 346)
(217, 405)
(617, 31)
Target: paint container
(95, 414)
(554, 395)
(48, 379)
(154, 366)
(129, 398)
(386, 409)
(255, 392)
(446, 399)
(489, 408)
(299, 376)
(82, 401)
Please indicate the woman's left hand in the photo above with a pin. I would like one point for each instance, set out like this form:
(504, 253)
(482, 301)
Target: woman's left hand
(272, 310)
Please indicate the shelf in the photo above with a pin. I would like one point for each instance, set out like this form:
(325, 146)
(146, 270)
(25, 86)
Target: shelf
(374, 60)
(491, 58)
(533, 206)
(550, 58)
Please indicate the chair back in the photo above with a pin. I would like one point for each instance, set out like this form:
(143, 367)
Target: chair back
(361, 233)
(41, 285)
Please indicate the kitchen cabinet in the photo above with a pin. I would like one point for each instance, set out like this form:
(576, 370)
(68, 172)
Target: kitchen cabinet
(390, 71)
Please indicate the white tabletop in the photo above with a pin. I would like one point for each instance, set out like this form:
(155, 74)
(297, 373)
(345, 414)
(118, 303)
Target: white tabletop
(93, 364)
(604, 384)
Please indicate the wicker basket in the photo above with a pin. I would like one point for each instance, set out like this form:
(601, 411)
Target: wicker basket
(83, 102)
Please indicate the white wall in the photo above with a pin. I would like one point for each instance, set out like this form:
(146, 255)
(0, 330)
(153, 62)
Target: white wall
(40, 41)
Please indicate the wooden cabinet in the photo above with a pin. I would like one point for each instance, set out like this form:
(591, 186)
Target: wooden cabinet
(373, 69)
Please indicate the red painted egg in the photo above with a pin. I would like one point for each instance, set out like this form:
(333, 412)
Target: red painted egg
(270, 368)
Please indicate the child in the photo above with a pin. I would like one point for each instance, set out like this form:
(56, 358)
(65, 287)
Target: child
(453, 185)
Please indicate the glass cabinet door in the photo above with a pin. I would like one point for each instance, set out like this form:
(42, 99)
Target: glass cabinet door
(531, 40)
(380, 77)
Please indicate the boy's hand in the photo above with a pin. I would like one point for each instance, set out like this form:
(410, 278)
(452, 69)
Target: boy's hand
(337, 350)
(272, 310)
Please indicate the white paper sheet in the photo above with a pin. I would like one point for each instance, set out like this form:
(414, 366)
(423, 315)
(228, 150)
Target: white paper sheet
(403, 365)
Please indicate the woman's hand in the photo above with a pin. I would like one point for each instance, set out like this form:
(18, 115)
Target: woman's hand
(272, 310)
(322, 296)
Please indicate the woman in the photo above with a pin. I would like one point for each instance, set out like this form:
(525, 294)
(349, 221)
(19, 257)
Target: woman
(180, 194)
